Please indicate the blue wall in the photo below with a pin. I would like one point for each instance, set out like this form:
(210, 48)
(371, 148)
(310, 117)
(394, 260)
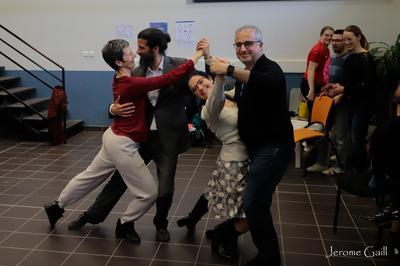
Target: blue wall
(89, 92)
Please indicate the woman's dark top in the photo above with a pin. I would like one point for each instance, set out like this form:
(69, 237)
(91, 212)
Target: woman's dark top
(360, 79)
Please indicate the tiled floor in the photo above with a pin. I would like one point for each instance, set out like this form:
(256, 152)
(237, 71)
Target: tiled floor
(32, 173)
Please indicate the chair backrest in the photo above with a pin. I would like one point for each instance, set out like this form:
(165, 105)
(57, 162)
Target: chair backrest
(321, 108)
(294, 100)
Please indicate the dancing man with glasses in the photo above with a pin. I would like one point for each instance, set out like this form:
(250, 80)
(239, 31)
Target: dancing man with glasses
(265, 128)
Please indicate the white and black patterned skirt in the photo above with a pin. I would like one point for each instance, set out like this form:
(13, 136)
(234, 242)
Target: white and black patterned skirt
(226, 188)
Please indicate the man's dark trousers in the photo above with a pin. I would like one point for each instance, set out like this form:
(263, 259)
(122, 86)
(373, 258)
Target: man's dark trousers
(267, 166)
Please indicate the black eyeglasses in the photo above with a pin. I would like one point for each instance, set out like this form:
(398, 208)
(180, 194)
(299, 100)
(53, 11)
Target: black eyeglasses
(336, 40)
(246, 44)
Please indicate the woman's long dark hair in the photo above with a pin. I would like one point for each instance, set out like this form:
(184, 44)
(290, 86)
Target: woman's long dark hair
(357, 32)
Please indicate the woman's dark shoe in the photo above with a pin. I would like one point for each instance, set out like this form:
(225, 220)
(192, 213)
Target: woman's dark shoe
(127, 231)
(188, 222)
(54, 212)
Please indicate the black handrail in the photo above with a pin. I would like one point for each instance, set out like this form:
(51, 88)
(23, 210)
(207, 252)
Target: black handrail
(40, 53)
(26, 70)
(18, 51)
(33, 48)
(37, 51)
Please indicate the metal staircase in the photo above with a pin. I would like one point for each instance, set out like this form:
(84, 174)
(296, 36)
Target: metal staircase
(21, 104)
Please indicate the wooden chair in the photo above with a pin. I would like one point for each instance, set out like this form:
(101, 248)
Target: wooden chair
(319, 116)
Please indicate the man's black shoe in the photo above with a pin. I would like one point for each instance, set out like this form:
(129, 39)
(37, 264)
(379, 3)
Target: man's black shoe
(260, 260)
(162, 235)
(224, 240)
(210, 234)
(54, 212)
(79, 222)
(383, 217)
(127, 232)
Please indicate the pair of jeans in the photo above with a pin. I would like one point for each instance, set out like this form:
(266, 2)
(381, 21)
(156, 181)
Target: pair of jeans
(340, 135)
(267, 166)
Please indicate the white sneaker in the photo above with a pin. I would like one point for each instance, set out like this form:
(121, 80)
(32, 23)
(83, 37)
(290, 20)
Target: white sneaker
(316, 168)
(333, 158)
(334, 171)
(306, 146)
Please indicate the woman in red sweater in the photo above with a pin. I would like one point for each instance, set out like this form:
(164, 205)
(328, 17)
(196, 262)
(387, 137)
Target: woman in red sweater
(121, 142)
(313, 79)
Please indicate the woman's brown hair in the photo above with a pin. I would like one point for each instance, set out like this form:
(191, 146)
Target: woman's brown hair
(357, 32)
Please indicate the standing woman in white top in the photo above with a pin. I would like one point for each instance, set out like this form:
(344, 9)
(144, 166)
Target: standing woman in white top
(224, 192)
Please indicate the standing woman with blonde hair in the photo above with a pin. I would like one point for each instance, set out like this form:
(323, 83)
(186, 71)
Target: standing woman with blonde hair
(359, 89)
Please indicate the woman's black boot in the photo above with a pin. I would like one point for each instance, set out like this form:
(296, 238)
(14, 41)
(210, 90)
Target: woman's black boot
(195, 215)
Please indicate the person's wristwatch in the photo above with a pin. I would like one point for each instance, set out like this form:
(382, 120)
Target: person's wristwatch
(229, 70)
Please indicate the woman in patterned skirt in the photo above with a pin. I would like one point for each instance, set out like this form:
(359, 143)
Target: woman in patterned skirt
(224, 192)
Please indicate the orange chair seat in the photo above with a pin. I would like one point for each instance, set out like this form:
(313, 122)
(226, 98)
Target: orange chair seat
(305, 133)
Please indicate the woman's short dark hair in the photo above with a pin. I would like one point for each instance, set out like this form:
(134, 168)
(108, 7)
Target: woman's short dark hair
(114, 50)
(339, 31)
(155, 37)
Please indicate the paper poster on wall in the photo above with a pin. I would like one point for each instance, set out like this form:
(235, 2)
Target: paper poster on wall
(124, 31)
(184, 31)
(162, 26)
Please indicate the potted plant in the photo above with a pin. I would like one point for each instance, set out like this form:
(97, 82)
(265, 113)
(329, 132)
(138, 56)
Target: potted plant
(387, 58)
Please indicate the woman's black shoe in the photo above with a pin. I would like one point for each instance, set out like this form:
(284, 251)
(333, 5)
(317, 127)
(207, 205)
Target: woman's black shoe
(127, 231)
(54, 212)
(188, 222)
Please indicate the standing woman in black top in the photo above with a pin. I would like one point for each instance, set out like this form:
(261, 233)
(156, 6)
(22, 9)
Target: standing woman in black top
(360, 90)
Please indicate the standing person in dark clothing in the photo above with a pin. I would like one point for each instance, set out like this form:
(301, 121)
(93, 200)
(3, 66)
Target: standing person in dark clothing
(335, 76)
(265, 128)
(168, 134)
(359, 89)
(385, 155)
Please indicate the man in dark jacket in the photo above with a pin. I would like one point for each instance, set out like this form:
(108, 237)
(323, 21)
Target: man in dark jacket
(265, 128)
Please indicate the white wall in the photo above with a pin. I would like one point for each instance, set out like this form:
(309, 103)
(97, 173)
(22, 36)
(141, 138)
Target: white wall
(64, 29)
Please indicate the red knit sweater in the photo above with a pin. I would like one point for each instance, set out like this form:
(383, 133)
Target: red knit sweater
(134, 89)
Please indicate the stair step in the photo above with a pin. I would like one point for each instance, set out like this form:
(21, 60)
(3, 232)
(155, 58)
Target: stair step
(70, 124)
(32, 102)
(17, 91)
(36, 117)
(8, 79)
